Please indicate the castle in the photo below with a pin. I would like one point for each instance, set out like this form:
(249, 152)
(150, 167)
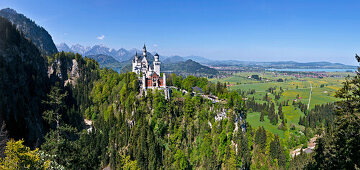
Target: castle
(149, 73)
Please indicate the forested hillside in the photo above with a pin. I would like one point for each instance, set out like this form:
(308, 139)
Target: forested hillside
(150, 132)
(38, 35)
(146, 131)
(106, 61)
(24, 83)
(137, 130)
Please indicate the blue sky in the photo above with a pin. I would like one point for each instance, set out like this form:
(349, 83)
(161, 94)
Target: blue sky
(252, 30)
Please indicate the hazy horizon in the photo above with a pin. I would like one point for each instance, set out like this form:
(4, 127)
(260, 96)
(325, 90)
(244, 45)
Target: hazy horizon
(301, 31)
(220, 59)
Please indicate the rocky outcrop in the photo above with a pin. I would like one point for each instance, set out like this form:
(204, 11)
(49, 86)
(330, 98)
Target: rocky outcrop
(65, 70)
(74, 73)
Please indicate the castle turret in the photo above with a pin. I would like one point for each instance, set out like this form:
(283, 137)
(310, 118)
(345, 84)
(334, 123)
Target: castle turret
(136, 64)
(157, 64)
(156, 57)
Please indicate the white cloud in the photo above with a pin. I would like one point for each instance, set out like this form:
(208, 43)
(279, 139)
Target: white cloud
(101, 37)
(155, 45)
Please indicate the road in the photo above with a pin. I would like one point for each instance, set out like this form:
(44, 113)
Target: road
(309, 96)
(311, 146)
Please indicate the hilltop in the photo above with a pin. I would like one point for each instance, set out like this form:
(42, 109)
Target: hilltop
(37, 34)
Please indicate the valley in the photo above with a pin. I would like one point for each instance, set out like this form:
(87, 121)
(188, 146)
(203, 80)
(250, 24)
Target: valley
(96, 107)
(291, 90)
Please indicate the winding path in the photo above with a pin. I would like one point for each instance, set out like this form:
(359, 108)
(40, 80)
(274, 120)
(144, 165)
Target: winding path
(309, 96)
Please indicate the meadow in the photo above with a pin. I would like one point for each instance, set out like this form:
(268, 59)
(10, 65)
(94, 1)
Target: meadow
(293, 89)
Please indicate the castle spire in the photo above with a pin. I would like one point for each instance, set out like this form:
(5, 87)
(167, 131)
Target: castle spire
(144, 50)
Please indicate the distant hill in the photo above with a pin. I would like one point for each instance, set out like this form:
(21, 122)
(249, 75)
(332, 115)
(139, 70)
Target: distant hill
(119, 55)
(103, 59)
(175, 65)
(188, 67)
(199, 59)
(282, 64)
(173, 59)
(38, 35)
(275, 64)
(106, 61)
(307, 65)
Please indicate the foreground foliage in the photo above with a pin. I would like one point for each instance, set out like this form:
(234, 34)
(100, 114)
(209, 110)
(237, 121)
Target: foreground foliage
(19, 156)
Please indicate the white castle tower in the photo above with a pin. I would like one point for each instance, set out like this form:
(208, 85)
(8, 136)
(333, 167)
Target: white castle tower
(157, 64)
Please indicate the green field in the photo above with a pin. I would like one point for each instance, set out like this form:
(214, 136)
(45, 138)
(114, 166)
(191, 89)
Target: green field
(292, 86)
(323, 91)
(253, 119)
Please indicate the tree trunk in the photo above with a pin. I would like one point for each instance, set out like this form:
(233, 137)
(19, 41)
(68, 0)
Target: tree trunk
(57, 126)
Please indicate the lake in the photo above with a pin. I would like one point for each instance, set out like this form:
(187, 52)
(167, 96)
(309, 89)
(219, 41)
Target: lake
(311, 70)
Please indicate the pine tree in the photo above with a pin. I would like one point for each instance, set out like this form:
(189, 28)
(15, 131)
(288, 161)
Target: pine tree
(261, 116)
(281, 114)
(260, 137)
(276, 151)
(56, 103)
(243, 151)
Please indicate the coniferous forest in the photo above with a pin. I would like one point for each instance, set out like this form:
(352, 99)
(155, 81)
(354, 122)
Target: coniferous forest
(62, 111)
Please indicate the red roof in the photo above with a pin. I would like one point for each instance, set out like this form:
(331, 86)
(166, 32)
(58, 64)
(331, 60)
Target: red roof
(154, 75)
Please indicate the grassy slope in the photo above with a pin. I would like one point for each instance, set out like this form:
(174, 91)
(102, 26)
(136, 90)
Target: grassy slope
(253, 119)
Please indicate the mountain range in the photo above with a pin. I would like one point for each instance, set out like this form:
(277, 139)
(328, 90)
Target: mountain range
(120, 54)
(123, 55)
(120, 60)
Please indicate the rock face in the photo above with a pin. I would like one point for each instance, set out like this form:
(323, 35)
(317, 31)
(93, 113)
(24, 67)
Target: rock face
(23, 85)
(65, 70)
(74, 74)
(38, 35)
